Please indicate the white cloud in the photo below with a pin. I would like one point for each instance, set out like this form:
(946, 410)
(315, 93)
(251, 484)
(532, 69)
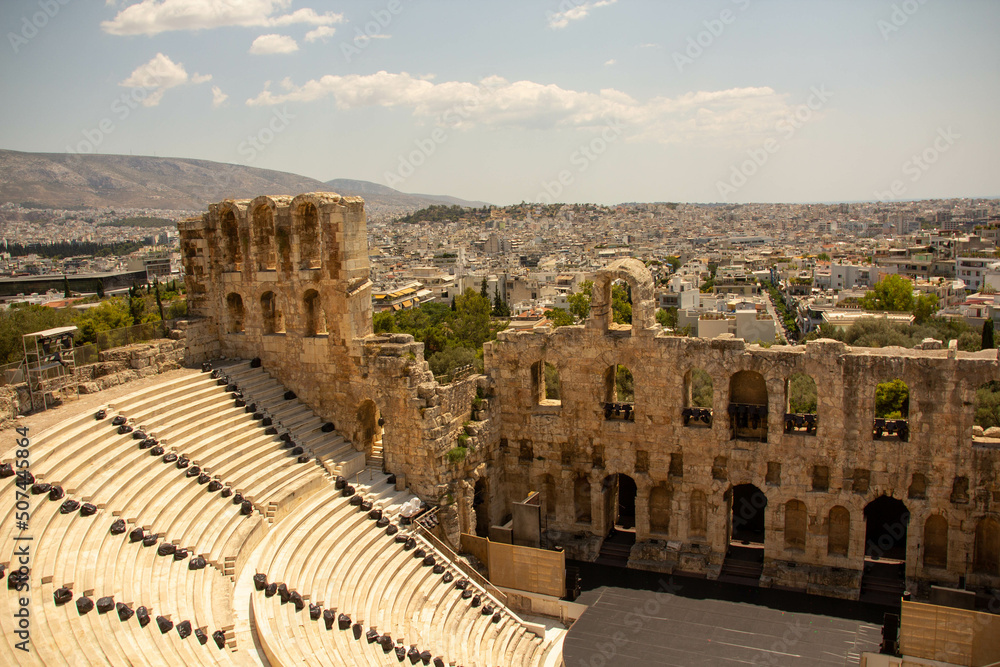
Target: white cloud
(494, 101)
(322, 32)
(268, 44)
(160, 75)
(218, 97)
(577, 12)
(151, 17)
(611, 62)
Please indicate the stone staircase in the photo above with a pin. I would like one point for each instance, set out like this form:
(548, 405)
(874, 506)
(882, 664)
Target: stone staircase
(616, 549)
(375, 459)
(883, 582)
(743, 565)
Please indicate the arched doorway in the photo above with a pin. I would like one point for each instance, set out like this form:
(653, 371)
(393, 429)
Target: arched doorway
(748, 406)
(619, 494)
(747, 514)
(886, 521)
(370, 424)
(481, 506)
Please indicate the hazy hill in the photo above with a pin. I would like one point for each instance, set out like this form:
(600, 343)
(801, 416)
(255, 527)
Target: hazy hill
(59, 180)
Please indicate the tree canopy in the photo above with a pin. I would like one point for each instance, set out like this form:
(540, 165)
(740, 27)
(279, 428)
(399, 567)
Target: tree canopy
(893, 293)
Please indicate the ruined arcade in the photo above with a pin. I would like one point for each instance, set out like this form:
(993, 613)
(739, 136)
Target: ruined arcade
(735, 483)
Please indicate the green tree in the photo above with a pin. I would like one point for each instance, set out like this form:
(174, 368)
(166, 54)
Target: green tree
(988, 405)
(924, 307)
(674, 261)
(579, 302)
(621, 304)
(667, 317)
(111, 314)
(384, 322)
(559, 317)
(159, 302)
(624, 385)
(823, 257)
(446, 361)
(802, 398)
(24, 318)
(472, 319)
(500, 307)
(483, 289)
(987, 339)
(553, 389)
(892, 293)
(892, 400)
(100, 288)
(701, 389)
(66, 292)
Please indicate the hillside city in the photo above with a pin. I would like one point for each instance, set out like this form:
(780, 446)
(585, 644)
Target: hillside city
(709, 261)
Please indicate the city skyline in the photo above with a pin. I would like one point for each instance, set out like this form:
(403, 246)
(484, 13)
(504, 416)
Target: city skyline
(602, 101)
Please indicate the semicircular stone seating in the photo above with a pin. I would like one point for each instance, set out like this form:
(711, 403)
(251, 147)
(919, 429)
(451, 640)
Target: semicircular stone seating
(161, 531)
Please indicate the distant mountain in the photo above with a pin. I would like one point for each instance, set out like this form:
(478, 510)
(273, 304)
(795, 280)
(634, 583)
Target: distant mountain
(59, 180)
(377, 193)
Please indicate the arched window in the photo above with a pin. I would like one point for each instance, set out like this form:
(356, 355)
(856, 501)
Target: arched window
(987, 411)
(659, 508)
(619, 393)
(307, 231)
(274, 321)
(748, 405)
(796, 523)
(698, 515)
(698, 397)
(839, 531)
(936, 541)
(892, 408)
(986, 559)
(234, 309)
(263, 238)
(545, 383)
(315, 317)
(801, 400)
(232, 259)
(581, 499)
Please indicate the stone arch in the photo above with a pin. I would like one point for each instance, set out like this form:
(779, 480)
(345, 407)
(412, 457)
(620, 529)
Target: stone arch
(235, 313)
(796, 525)
(306, 230)
(315, 318)
(283, 241)
(582, 505)
(698, 514)
(660, 500)
(262, 233)
(936, 541)
(272, 319)
(748, 405)
(620, 494)
(801, 404)
(838, 538)
(886, 526)
(987, 414)
(698, 389)
(231, 244)
(639, 280)
(986, 552)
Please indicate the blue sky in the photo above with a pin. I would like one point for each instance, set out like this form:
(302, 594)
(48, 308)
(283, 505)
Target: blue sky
(566, 100)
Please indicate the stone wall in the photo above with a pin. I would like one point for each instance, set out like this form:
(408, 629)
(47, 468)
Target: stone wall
(114, 367)
(841, 465)
(286, 279)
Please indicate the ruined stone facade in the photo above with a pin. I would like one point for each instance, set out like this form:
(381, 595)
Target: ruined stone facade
(287, 280)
